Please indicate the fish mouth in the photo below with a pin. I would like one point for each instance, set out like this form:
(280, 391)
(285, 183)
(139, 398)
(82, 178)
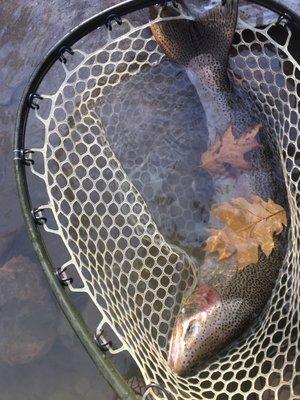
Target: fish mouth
(175, 351)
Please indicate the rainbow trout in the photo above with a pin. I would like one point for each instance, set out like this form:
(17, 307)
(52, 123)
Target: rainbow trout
(226, 299)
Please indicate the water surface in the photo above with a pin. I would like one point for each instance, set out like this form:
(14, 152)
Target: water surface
(40, 357)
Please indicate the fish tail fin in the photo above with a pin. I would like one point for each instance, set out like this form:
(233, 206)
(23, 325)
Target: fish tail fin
(172, 35)
(203, 43)
(222, 18)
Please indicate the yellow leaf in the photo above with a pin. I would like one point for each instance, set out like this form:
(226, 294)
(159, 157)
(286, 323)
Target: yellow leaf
(248, 227)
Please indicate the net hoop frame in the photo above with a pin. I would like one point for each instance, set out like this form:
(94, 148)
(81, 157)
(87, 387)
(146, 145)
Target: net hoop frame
(105, 366)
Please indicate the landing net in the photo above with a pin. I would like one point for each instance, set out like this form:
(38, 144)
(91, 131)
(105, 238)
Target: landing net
(118, 246)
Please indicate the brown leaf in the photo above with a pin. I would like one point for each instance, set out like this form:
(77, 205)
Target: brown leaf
(228, 150)
(248, 227)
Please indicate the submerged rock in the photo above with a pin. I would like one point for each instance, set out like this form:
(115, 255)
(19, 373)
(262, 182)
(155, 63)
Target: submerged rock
(27, 313)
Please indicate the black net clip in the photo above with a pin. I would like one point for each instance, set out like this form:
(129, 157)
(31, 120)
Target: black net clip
(31, 100)
(22, 155)
(62, 51)
(284, 19)
(158, 388)
(37, 214)
(110, 19)
(63, 281)
(104, 347)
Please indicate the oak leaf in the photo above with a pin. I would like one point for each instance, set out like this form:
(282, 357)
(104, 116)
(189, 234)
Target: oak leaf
(228, 150)
(248, 227)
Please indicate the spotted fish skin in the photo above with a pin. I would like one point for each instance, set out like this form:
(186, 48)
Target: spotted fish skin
(202, 44)
(200, 331)
(202, 47)
(206, 322)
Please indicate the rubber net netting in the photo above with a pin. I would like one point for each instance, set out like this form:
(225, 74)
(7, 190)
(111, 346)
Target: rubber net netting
(101, 188)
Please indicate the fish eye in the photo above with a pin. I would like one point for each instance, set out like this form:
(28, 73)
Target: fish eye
(191, 328)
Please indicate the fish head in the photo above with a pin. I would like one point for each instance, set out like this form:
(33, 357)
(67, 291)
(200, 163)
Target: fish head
(203, 326)
(188, 330)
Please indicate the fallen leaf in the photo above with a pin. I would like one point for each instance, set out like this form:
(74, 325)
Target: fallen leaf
(248, 227)
(228, 150)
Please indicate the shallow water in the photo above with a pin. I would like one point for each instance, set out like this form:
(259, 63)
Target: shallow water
(62, 370)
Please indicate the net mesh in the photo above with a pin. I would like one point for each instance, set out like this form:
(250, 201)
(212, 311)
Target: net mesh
(134, 276)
